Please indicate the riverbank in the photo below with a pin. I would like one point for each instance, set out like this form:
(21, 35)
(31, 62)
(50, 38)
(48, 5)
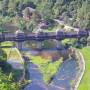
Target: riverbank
(80, 73)
(62, 79)
(14, 58)
(47, 63)
(85, 82)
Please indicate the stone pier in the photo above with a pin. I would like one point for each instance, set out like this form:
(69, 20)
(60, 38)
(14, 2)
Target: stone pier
(19, 45)
(39, 45)
(58, 44)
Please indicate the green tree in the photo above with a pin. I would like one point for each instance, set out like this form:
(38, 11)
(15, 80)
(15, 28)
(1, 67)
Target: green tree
(3, 56)
(30, 26)
(22, 24)
(2, 28)
(6, 82)
(5, 7)
(12, 7)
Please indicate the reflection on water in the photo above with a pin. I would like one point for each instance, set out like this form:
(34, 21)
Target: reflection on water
(64, 76)
(45, 53)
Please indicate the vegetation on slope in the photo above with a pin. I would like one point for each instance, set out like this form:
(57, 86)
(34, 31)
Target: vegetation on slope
(85, 82)
(74, 12)
(46, 67)
(8, 75)
(7, 83)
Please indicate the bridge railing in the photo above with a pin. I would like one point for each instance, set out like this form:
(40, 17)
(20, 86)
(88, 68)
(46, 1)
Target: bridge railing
(41, 37)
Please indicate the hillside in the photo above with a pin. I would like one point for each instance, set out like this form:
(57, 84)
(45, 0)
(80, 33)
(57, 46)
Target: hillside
(74, 12)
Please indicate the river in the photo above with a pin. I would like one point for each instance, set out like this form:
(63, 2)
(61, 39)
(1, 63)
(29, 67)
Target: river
(62, 80)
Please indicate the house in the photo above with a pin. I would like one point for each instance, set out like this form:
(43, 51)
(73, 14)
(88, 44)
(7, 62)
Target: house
(28, 12)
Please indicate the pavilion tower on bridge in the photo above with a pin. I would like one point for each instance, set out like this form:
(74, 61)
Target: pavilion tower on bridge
(19, 34)
(39, 33)
(59, 38)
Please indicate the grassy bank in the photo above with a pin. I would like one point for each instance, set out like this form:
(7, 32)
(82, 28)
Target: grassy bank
(7, 43)
(85, 82)
(12, 53)
(46, 67)
(9, 76)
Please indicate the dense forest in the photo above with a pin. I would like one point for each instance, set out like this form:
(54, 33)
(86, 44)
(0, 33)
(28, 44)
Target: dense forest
(74, 12)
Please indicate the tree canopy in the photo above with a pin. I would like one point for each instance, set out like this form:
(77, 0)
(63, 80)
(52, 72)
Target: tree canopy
(78, 10)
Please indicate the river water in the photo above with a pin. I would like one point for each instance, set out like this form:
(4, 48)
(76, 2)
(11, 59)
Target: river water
(62, 80)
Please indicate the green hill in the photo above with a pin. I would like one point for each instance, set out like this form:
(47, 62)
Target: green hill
(73, 12)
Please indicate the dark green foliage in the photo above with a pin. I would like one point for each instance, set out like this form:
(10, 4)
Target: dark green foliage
(3, 64)
(5, 7)
(78, 10)
(9, 77)
(6, 82)
(3, 55)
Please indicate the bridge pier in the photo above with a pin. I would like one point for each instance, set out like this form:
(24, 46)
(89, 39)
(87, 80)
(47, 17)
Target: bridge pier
(19, 45)
(58, 44)
(39, 45)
